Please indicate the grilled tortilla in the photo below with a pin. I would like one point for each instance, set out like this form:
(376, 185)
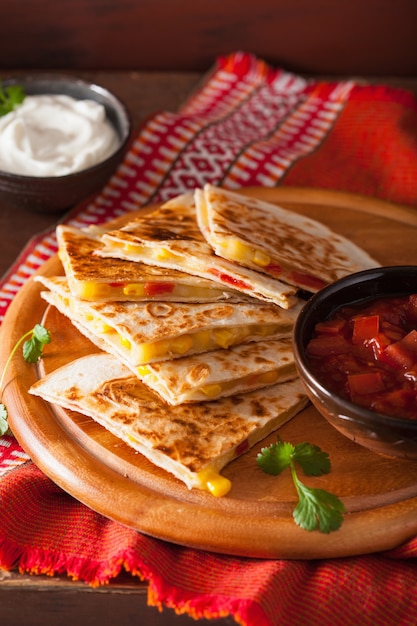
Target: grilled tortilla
(276, 242)
(91, 277)
(145, 332)
(192, 442)
(221, 373)
(170, 237)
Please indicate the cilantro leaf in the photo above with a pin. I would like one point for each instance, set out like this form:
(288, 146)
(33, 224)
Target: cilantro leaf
(10, 97)
(32, 348)
(276, 458)
(42, 334)
(312, 459)
(33, 343)
(316, 508)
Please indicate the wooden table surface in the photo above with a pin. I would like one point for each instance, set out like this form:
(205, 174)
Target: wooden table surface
(33, 600)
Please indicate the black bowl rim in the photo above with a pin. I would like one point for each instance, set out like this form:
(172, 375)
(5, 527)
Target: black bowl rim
(72, 80)
(351, 411)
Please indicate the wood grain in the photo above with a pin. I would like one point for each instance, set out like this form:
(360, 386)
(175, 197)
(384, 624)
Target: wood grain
(356, 37)
(255, 519)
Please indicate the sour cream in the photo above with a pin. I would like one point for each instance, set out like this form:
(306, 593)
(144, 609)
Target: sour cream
(55, 135)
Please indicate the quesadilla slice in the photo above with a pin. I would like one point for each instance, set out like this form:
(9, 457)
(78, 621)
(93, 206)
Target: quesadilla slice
(91, 277)
(191, 442)
(170, 237)
(221, 373)
(145, 332)
(274, 241)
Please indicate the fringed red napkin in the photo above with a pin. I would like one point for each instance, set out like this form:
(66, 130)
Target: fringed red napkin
(249, 124)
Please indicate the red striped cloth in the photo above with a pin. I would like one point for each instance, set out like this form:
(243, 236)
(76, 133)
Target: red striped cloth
(249, 124)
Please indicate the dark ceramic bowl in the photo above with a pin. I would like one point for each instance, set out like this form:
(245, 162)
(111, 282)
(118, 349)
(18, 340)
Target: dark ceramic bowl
(391, 436)
(58, 193)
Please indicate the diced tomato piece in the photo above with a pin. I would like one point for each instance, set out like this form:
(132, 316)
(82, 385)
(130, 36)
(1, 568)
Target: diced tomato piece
(312, 283)
(242, 447)
(155, 289)
(365, 382)
(365, 328)
(274, 268)
(400, 355)
(378, 345)
(229, 280)
(327, 345)
(410, 341)
(330, 327)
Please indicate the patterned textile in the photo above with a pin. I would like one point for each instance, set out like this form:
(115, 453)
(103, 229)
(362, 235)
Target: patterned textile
(249, 124)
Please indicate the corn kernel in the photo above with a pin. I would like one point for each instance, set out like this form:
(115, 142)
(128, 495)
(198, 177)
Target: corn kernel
(215, 483)
(161, 253)
(235, 248)
(90, 291)
(131, 247)
(125, 342)
(211, 391)
(134, 289)
(224, 337)
(181, 345)
(148, 352)
(260, 258)
(269, 377)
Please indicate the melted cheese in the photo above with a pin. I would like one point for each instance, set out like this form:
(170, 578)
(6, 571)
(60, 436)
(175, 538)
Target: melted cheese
(199, 341)
(215, 483)
(193, 343)
(237, 250)
(208, 479)
(246, 383)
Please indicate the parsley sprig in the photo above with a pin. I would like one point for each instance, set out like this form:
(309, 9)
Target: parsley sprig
(34, 342)
(10, 97)
(316, 508)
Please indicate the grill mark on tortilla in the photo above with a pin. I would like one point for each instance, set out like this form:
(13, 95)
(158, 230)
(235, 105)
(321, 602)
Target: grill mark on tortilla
(85, 260)
(162, 227)
(190, 438)
(294, 242)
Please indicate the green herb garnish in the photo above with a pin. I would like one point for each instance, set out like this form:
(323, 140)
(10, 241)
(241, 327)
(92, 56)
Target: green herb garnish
(316, 508)
(34, 342)
(10, 97)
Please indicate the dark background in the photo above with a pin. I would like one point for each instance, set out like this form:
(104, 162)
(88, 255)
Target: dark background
(366, 37)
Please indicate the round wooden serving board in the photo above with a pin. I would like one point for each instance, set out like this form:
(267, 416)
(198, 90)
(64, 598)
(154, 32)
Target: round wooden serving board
(255, 518)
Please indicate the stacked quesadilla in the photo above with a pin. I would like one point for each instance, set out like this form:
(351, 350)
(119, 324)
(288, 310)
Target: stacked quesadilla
(192, 308)
(171, 239)
(91, 277)
(192, 442)
(145, 332)
(255, 247)
(276, 242)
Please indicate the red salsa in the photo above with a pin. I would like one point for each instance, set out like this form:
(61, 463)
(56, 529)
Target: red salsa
(368, 355)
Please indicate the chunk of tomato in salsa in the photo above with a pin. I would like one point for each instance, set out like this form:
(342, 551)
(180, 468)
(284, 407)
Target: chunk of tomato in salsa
(365, 382)
(369, 354)
(365, 328)
(402, 353)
